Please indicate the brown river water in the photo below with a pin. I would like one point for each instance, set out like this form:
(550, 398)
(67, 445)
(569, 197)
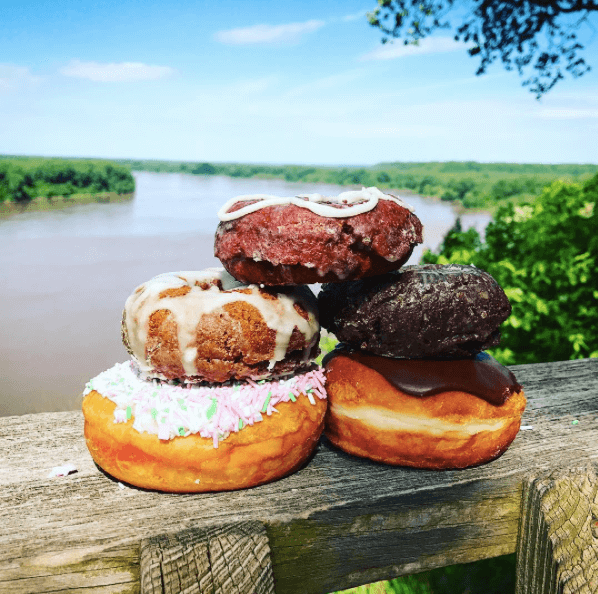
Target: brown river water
(65, 275)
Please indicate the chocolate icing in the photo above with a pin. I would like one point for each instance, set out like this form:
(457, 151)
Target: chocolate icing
(431, 311)
(482, 376)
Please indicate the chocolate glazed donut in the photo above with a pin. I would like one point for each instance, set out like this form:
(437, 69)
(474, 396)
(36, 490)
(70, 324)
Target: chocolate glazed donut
(432, 311)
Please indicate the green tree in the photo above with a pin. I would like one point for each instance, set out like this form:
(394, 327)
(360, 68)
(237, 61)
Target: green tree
(545, 256)
(538, 38)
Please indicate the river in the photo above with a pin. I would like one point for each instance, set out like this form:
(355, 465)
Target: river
(66, 275)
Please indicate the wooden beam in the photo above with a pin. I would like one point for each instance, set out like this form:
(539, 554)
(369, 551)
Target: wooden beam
(232, 558)
(557, 550)
(336, 523)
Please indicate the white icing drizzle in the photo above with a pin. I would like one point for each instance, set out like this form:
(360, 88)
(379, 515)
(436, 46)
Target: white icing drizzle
(187, 311)
(214, 411)
(351, 203)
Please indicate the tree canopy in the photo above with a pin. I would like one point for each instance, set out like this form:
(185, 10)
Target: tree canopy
(538, 38)
(545, 256)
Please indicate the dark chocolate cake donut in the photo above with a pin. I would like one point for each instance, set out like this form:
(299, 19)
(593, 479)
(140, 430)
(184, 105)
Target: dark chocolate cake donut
(312, 239)
(446, 311)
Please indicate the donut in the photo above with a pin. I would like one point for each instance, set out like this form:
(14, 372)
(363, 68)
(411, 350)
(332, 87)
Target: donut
(446, 311)
(207, 327)
(422, 413)
(194, 438)
(311, 238)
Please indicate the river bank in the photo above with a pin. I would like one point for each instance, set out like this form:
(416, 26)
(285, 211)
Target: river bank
(43, 203)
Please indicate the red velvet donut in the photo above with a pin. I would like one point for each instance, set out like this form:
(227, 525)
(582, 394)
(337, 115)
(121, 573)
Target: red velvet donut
(312, 239)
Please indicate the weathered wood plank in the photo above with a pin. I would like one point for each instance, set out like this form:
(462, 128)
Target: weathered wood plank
(233, 558)
(557, 551)
(338, 522)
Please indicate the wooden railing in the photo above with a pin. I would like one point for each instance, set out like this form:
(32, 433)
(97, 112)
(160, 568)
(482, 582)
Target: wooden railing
(337, 523)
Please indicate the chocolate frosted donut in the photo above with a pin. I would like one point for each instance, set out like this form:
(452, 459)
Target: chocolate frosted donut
(446, 311)
(312, 239)
(422, 413)
(206, 326)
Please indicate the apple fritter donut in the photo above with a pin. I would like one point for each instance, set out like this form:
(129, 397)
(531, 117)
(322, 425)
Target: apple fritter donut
(206, 326)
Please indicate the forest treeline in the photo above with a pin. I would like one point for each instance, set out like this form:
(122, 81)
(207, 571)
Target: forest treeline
(24, 178)
(465, 183)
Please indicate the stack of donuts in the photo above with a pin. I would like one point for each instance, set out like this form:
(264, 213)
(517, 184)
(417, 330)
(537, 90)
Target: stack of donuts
(410, 383)
(221, 390)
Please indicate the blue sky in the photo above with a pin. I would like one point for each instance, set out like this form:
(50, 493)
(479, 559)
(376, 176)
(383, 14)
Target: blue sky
(268, 82)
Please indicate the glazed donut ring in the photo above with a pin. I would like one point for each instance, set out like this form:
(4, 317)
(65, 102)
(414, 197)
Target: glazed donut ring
(266, 451)
(370, 418)
(206, 326)
(312, 239)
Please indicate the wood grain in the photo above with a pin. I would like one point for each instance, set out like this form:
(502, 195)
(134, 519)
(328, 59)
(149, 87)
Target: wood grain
(338, 522)
(232, 558)
(557, 550)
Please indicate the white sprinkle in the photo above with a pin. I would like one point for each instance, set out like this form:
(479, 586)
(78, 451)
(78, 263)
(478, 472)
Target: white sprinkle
(63, 470)
(526, 427)
(121, 486)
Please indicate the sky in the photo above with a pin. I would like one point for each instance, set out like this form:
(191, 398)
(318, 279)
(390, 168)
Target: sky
(302, 82)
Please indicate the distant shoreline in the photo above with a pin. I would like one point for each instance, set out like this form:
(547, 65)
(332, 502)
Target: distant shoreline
(42, 203)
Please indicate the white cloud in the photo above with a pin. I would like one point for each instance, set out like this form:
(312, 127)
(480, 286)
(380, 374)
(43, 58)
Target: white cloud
(268, 34)
(115, 72)
(429, 45)
(13, 78)
(355, 17)
(568, 113)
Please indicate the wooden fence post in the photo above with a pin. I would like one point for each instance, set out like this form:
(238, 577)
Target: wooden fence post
(557, 550)
(232, 558)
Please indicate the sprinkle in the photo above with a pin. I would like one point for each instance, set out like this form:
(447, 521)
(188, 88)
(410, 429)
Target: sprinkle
(212, 410)
(121, 486)
(63, 470)
(526, 427)
(129, 413)
(266, 402)
(575, 422)
(197, 481)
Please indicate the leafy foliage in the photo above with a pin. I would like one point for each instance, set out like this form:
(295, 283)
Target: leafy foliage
(22, 179)
(537, 37)
(545, 256)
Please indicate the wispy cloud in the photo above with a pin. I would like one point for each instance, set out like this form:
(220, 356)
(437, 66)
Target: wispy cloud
(355, 16)
(429, 45)
(13, 78)
(288, 33)
(115, 72)
(568, 113)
